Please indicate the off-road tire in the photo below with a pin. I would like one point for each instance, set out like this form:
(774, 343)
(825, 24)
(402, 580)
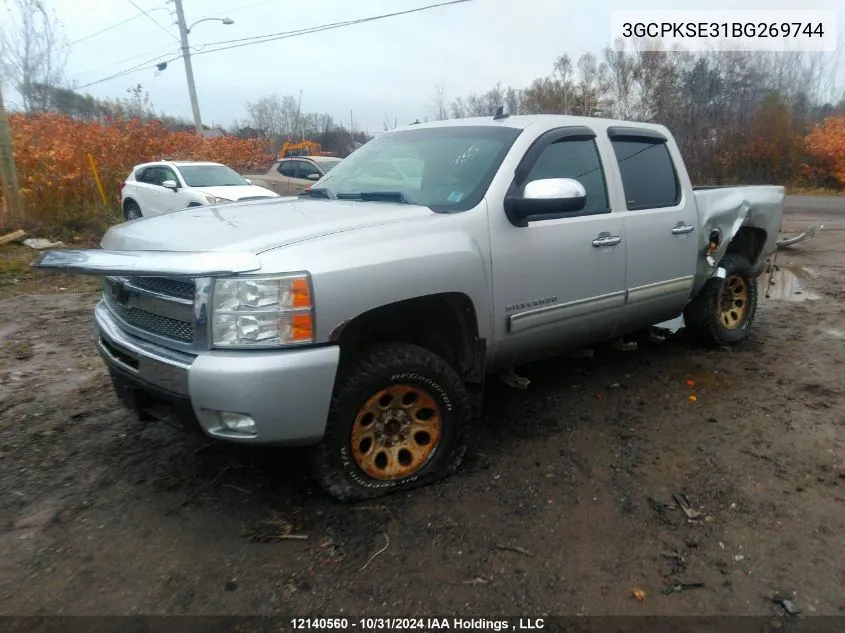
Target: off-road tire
(377, 368)
(702, 316)
(131, 210)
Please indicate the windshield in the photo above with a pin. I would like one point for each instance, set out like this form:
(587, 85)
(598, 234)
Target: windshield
(445, 168)
(211, 176)
(328, 165)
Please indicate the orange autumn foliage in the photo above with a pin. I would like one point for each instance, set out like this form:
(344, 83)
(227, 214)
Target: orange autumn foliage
(51, 152)
(825, 145)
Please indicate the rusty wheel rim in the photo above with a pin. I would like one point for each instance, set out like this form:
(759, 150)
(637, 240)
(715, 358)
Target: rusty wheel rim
(733, 302)
(396, 432)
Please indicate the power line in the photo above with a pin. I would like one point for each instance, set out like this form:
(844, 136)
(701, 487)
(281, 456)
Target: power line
(244, 8)
(260, 39)
(153, 20)
(128, 71)
(122, 61)
(108, 28)
(269, 37)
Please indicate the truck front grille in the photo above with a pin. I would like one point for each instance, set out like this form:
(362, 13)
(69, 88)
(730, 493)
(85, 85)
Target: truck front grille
(157, 306)
(162, 285)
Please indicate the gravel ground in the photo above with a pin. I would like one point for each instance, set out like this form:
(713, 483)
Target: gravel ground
(566, 503)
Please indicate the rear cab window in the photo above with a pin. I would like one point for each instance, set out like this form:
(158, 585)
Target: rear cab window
(649, 178)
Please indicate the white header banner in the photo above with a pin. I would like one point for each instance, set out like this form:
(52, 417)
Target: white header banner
(724, 30)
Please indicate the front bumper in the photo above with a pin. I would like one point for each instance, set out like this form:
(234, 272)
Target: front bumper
(286, 392)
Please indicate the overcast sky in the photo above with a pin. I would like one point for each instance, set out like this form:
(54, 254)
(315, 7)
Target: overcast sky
(382, 68)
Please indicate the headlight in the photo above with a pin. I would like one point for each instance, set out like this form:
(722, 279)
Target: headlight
(216, 200)
(260, 312)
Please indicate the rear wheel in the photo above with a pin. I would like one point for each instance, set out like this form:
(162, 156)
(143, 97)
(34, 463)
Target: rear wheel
(131, 210)
(398, 420)
(723, 311)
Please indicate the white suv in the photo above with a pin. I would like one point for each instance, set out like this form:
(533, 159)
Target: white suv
(166, 186)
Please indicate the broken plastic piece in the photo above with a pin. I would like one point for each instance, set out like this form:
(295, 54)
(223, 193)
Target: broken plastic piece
(685, 505)
(511, 379)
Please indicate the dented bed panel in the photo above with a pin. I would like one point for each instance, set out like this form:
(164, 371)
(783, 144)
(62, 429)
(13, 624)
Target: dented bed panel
(727, 210)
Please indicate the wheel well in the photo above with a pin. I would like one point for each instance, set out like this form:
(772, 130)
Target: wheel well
(748, 242)
(128, 200)
(445, 324)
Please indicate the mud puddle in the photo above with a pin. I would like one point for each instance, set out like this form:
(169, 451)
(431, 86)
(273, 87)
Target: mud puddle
(785, 283)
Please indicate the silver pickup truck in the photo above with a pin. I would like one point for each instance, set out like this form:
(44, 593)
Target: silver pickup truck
(361, 318)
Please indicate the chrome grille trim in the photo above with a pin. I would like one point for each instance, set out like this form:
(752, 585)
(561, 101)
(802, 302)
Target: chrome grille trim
(150, 322)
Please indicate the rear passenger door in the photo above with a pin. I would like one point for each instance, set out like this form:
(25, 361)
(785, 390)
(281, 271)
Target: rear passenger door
(282, 185)
(146, 191)
(660, 226)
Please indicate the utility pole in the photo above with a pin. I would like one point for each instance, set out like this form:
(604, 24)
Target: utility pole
(189, 70)
(8, 173)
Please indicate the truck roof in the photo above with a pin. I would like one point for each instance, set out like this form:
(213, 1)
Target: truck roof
(523, 121)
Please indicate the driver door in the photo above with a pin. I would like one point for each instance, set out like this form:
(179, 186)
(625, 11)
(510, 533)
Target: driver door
(559, 281)
(301, 171)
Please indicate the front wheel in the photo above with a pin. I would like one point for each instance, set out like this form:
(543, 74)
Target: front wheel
(723, 311)
(397, 420)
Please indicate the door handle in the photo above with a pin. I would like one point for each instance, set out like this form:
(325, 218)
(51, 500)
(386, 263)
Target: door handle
(606, 239)
(682, 229)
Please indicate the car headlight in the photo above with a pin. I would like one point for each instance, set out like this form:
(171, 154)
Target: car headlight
(258, 312)
(216, 200)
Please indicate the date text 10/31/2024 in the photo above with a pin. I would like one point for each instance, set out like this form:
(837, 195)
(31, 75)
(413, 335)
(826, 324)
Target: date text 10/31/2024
(421, 625)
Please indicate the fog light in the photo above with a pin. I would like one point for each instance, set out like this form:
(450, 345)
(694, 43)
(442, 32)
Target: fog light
(237, 422)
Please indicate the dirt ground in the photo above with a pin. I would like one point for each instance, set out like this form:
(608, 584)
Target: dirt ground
(101, 514)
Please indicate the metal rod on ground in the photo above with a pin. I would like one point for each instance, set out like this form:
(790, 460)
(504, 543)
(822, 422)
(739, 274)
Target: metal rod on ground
(189, 70)
(8, 172)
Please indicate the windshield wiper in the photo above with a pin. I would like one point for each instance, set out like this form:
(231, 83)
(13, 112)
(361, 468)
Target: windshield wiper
(375, 196)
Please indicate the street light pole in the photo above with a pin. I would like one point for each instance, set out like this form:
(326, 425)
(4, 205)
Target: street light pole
(189, 70)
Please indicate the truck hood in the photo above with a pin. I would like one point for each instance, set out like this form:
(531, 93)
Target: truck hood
(254, 227)
(238, 192)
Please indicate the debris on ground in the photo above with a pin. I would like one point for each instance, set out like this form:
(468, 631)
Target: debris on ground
(11, 237)
(511, 379)
(478, 580)
(788, 604)
(39, 243)
(515, 548)
(686, 507)
(681, 586)
(383, 549)
(620, 345)
(639, 594)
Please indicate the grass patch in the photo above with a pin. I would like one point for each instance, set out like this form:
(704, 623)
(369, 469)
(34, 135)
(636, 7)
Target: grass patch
(18, 277)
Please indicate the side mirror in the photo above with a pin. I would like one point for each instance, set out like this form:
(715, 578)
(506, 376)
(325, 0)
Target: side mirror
(248, 181)
(170, 184)
(314, 176)
(549, 196)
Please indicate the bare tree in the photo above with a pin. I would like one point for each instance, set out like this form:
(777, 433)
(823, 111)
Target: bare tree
(439, 107)
(390, 125)
(34, 50)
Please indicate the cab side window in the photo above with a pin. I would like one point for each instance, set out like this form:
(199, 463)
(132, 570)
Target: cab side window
(305, 169)
(648, 174)
(286, 168)
(578, 159)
